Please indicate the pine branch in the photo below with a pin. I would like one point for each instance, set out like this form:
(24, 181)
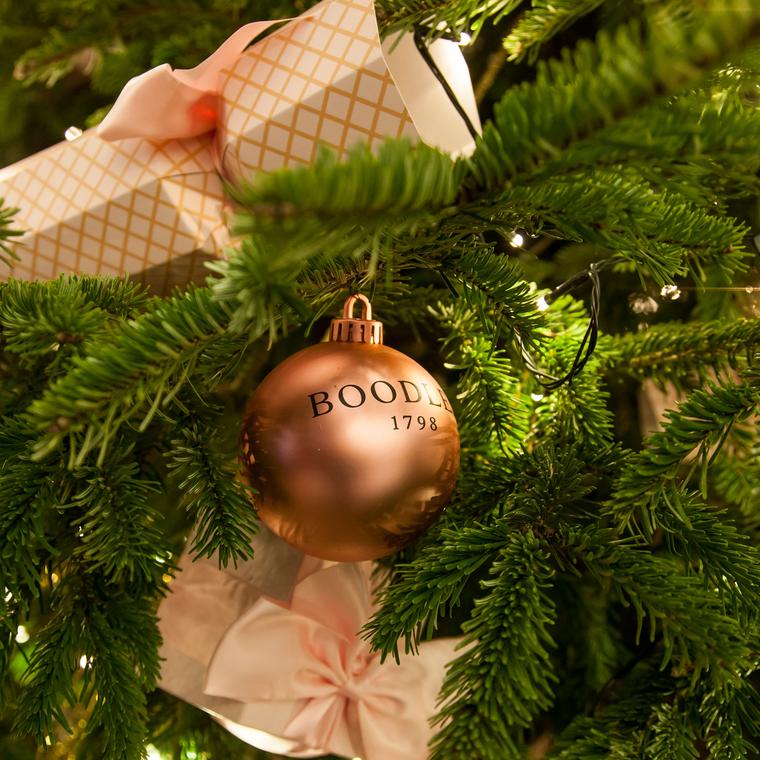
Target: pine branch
(575, 413)
(26, 489)
(503, 676)
(117, 526)
(541, 22)
(44, 324)
(589, 151)
(598, 740)
(96, 529)
(711, 545)
(494, 286)
(487, 389)
(7, 231)
(674, 734)
(122, 638)
(449, 17)
(645, 487)
(182, 32)
(398, 177)
(364, 204)
(697, 635)
(731, 715)
(260, 287)
(119, 297)
(614, 731)
(502, 495)
(704, 151)
(117, 630)
(599, 84)
(48, 680)
(397, 299)
(393, 203)
(660, 233)
(667, 351)
(716, 721)
(602, 650)
(224, 516)
(736, 479)
(429, 586)
(137, 372)
(36, 320)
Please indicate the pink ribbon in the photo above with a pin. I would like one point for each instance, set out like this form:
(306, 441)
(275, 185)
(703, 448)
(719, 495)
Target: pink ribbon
(166, 103)
(306, 675)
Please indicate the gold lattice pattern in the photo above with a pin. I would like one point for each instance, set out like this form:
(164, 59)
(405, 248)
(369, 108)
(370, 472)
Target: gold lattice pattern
(320, 79)
(102, 207)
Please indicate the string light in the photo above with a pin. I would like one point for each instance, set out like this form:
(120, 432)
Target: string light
(537, 396)
(84, 661)
(671, 292)
(644, 305)
(516, 240)
(749, 289)
(464, 40)
(72, 133)
(22, 635)
(588, 342)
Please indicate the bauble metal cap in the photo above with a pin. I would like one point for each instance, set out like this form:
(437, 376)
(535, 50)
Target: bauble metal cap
(347, 329)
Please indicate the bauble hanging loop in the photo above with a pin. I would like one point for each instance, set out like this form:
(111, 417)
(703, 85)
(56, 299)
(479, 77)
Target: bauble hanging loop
(351, 446)
(347, 329)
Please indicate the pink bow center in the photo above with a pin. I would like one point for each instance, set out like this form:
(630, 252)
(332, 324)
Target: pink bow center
(355, 684)
(331, 716)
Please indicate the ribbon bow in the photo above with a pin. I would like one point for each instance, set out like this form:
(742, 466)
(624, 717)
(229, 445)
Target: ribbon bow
(308, 678)
(165, 103)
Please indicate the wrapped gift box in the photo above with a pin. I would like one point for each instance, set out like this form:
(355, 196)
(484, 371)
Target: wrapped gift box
(100, 207)
(143, 193)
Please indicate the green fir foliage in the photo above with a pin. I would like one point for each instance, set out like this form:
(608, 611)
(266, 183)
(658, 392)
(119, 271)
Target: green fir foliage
(668, 352)
(503, 675)
(542, 22)
(7, 232)
(438, 18)
(649, 483)
(221, 505)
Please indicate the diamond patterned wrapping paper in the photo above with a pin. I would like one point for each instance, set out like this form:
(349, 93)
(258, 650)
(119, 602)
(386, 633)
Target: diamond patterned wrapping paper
(143, 193)
(130, 206)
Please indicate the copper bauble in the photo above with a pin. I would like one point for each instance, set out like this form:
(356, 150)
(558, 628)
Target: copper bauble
(352, 446)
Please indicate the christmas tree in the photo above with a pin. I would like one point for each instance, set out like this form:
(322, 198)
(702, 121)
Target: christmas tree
(594, 250)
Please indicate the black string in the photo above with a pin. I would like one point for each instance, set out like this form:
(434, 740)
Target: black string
(419, 41)
(588, 344)
(590, 337)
